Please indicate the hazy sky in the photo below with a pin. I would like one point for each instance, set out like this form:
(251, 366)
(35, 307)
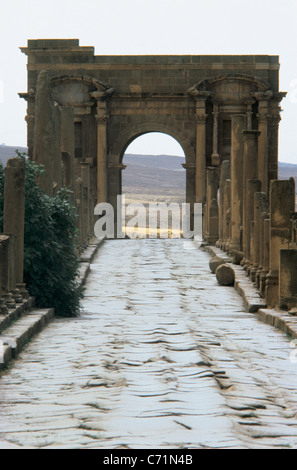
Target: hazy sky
(150, 27)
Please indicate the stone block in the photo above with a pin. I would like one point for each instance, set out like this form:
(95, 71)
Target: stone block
(225, 275)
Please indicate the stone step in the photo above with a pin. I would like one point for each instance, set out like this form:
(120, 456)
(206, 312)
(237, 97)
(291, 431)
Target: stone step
(15, 336)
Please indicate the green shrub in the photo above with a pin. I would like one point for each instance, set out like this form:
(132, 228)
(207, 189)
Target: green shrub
(50, 257)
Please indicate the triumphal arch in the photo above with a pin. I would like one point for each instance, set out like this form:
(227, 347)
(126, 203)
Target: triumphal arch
(205, 102)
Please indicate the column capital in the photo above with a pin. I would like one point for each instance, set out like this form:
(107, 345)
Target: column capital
(201, 118)
(251, 134)
(199, 95)
(263, 96)
(102, 118)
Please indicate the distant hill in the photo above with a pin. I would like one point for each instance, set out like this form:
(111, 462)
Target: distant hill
(153, 174)
(7, 152)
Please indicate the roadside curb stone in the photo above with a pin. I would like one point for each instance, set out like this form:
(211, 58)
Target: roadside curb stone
(253, 302)
(25, 321)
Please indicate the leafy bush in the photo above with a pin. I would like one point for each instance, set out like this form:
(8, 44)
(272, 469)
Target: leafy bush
(50, 258)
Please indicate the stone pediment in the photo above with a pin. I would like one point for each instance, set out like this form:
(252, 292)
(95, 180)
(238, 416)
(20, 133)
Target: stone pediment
(77, 90)
(230, 88)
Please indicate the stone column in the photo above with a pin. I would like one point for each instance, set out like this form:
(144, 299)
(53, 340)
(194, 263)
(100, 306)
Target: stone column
(14, 209)
(253, 186)
(215, 158)
(102, 119)
(201, 117)
(212, 180)
(227, 215)
(263, 118)
(80, 211)
(44, 142)
(67, 146)
(288, 279)
(249, 116)
(225, 175)
(282, 203)
(273, 125)
(238, 123)
(260, 206)
(57, 157)
(266, 248)
(85, 176)
(250, 157)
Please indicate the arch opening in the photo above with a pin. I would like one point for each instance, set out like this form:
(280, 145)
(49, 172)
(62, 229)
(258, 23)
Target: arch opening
(153, 186)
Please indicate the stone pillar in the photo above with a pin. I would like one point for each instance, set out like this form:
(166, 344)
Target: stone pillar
(79, 207)
(288, 279)
(225, 175)
(215, 158)
(227, 215)
(212, 180)
(260, 206)
(14, 210)
(213, 222)
(249, 116)
(263, 142)
(238, 123)
(252, 187)
(282, 203)
(201, 117)
(273, 124)
(266, 257)
(67, 146)
(85, 176)
(102, 119)
(57, 156)
(250, 156)
(44, 142)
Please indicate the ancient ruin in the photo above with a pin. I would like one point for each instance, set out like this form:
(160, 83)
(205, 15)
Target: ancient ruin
(84, 110)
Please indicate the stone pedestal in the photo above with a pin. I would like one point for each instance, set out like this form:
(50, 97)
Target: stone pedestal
(288, 279)
(282, 203)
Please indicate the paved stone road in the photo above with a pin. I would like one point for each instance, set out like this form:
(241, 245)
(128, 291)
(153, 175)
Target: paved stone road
(161, 357)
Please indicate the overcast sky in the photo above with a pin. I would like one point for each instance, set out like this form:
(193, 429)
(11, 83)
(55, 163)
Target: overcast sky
(150, 27)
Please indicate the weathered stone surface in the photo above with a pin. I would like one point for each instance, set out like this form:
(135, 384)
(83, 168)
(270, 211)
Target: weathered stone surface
(150, 367)
(14, 217)
(215, 262)
(225, 275)
(44, 132)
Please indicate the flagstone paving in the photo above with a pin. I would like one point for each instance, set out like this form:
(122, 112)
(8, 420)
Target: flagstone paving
(162, 356)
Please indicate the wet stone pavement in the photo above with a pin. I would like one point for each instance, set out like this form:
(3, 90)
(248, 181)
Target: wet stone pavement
(161, 357)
